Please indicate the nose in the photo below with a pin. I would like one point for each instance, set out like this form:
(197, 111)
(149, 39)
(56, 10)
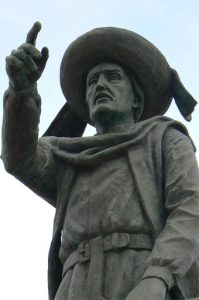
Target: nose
(101, 83)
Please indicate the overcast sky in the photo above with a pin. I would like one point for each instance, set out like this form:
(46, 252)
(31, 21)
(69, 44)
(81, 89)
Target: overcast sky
(26, 220)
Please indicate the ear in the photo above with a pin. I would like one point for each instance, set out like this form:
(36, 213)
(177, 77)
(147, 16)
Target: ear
(137, 107)
(135, 101)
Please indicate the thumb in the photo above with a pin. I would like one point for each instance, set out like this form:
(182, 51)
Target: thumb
(43, 59)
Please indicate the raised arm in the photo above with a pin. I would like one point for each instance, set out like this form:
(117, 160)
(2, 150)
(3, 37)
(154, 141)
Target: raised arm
(23, 156)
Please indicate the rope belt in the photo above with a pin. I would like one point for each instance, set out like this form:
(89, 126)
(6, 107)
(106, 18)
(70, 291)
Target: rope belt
(93, 250)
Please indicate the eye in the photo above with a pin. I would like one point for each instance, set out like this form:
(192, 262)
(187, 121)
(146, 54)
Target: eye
(114, 77)
(92, 81)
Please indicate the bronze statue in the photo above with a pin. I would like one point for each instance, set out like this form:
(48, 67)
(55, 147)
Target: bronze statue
(126, 199)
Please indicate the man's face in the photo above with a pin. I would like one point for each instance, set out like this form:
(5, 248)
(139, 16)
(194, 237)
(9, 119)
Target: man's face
(108, 90)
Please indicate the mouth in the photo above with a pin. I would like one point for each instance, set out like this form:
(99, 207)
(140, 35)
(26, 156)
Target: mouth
(102, 97)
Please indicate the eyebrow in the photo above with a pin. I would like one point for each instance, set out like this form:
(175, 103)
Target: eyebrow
(107, 71)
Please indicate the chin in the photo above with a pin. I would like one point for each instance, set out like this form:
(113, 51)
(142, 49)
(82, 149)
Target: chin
(101, 112)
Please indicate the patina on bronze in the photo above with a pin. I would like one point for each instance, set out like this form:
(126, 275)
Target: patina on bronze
(127, 199)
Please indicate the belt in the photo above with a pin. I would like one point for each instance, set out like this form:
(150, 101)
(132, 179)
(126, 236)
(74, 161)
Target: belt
(93, 250)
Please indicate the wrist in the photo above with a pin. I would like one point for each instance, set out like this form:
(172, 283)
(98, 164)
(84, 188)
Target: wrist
(163, 273)
(155, 283)
(24, 89)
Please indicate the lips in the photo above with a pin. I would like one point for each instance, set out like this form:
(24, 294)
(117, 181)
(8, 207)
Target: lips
(101, 96)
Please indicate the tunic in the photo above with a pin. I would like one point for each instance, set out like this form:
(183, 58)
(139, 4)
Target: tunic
(103, 200)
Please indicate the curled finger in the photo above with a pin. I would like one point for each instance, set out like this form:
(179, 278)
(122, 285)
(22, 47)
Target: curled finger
(13, 63)
(25, 58)
(31, 50)
(32, 67)
(20, 54)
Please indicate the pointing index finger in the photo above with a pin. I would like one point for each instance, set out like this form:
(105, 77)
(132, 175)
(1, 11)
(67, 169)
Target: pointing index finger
(32, 34)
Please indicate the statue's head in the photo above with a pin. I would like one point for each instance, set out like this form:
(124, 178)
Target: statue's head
(146, 77)
(112, 90)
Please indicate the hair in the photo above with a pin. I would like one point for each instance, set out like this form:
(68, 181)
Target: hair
(138, 94)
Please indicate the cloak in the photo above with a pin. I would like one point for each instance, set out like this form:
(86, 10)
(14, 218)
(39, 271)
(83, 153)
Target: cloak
(145, 146)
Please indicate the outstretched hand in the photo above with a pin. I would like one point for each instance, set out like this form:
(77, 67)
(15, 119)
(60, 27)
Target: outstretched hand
(26, 64)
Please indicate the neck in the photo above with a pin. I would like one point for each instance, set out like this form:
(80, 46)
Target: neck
(109, 126)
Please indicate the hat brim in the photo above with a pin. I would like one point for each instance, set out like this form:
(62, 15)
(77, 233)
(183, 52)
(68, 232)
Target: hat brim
(129, 50)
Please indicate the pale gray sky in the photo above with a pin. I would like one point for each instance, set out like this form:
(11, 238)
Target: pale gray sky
(26, 220)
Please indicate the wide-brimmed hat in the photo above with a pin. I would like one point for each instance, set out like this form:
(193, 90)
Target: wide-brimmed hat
(158, 81)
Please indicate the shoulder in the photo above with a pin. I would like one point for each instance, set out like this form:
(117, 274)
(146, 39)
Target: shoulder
(176, 133)
(163, 123)
(168, 129)
(164, 132)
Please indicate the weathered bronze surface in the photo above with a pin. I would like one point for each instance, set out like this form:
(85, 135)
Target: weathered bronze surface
(126, 199)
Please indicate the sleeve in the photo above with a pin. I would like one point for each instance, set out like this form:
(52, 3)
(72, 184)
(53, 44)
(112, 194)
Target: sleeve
(178, 243)
(28, 159)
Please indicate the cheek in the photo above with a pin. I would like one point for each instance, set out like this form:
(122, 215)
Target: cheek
(89, 99)
(128, 96)
(88, 96)
(123, 94)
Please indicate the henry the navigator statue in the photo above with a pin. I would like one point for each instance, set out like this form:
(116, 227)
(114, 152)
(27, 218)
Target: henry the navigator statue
(127, 199)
